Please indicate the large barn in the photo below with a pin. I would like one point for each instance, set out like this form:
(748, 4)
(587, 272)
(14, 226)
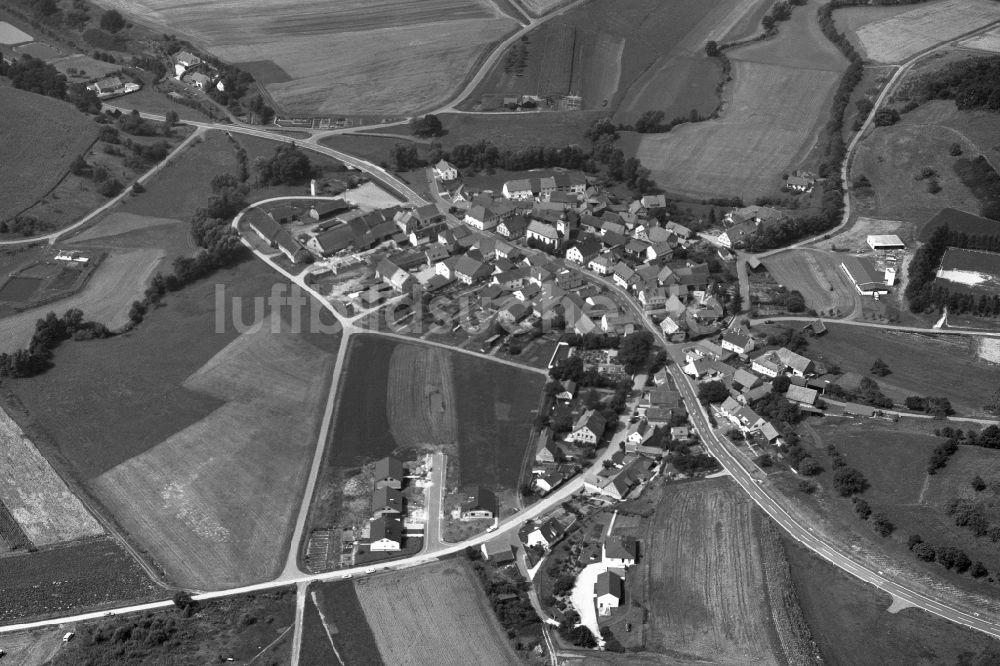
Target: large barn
(865, 277)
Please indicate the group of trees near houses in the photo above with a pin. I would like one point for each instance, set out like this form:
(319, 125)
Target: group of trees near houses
(37, 76)
(924, 293)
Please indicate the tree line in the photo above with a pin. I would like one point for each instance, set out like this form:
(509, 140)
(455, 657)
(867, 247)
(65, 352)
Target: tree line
(973, 84)
(37, 76)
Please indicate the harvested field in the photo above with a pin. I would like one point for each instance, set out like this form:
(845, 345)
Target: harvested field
(919, 364)
(421, 401)
(39, 137)
(707, 591)
(399, 606)
(220, 517)
(10, 34)
(122, 223)
(33, 648)
(896, 38)
(817, 275)
(988, 41)
(540, 7)
(850, 624)
(34, 494)
(769, 124)
(119, 280)
(86, 574)
(344, 618)
(346, 49)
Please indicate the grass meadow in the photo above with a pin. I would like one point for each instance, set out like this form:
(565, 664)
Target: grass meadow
(39, 138)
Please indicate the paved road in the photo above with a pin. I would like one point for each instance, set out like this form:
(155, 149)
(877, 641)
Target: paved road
(435, 503)
(127, 192)
(771, 501)
(452, 348)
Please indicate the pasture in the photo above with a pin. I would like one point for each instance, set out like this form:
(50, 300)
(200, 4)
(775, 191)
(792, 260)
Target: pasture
(772, 114)
(707, 589)
(343, 617)
(39, 138)
(893, 159)
(331, 57)
(220, 515)
(897, 37)
(850, 625)
(37, 498)
(817, 275)
(400, 605)
(920, 364)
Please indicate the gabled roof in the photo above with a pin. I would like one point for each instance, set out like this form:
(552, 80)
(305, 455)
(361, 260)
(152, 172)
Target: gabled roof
(386, 527)
(608, 582)
(592, 421)
(801, 394)
(769, 431)
(481, 499)
(621, 547)
(386, 497)
(794, 361)
(543, 230)
(737, 338)
(388, 468)
(263, 224)
(466, 265)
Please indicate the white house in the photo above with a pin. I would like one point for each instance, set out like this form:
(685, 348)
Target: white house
(738, 341)
(445, 171)
(767, 364)
(386, 533)
(589, 427)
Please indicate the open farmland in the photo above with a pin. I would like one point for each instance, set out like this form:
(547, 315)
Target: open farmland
(33, 648)
(221, 517)
(119, 280)
(919, 364)
(708, 591)
(771, 117)
(850, 624)
(421, 401)
(343, 617)
(401, 606)
(627, 57)
(34, 494)
(319, 61)
(183, 423)
(817, 275)
(895, 38)
(54, 581)
(39, 138)
(988, 41)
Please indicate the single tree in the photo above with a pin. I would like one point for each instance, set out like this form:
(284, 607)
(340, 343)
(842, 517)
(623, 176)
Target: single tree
(880, 368)
(978, 484)
(112, 21)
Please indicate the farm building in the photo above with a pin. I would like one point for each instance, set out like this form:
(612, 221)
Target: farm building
(608, 591)
(619, 551)
(801, 395)
(324, 210)
(389, 473)
(864, 276)
(885, 242)
(548, 451)
(498, 552)
(386, 533)
(799, 184)
(481, 503)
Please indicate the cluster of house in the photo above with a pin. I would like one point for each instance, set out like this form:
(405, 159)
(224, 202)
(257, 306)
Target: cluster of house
(191, 69)
(742, 223)
(113, 86)
(550, 470)
(708, 361)
(618, 553)
(385, 528)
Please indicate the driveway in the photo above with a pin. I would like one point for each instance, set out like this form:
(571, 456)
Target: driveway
(583, 597)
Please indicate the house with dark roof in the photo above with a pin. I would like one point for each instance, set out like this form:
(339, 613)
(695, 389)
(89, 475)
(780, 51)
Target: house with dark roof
(737, 340)
(584, 251)
(386, 500)
(864, 276)
(325, 210)
(385, 533)
(499, 552)
(547, 450)
(513, 228)
(801, 395)
(589, 428)
(470, 271)
(393, 275)
(608, 592)
(620, 551)
(480, 503)
(389, 473)
(290, 247)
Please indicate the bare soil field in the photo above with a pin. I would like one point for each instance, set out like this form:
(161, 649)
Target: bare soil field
(988, 41)
(769, 123)
(540, 7)
(400, 605)
(850, 624)
(35, 495)
(332, 57)
(897, 36)
(119, 280)
(919, 364)
(74, 576)
(421, 401)
(707, 591)
(219, 514)
(817, 275)
(39, 137)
